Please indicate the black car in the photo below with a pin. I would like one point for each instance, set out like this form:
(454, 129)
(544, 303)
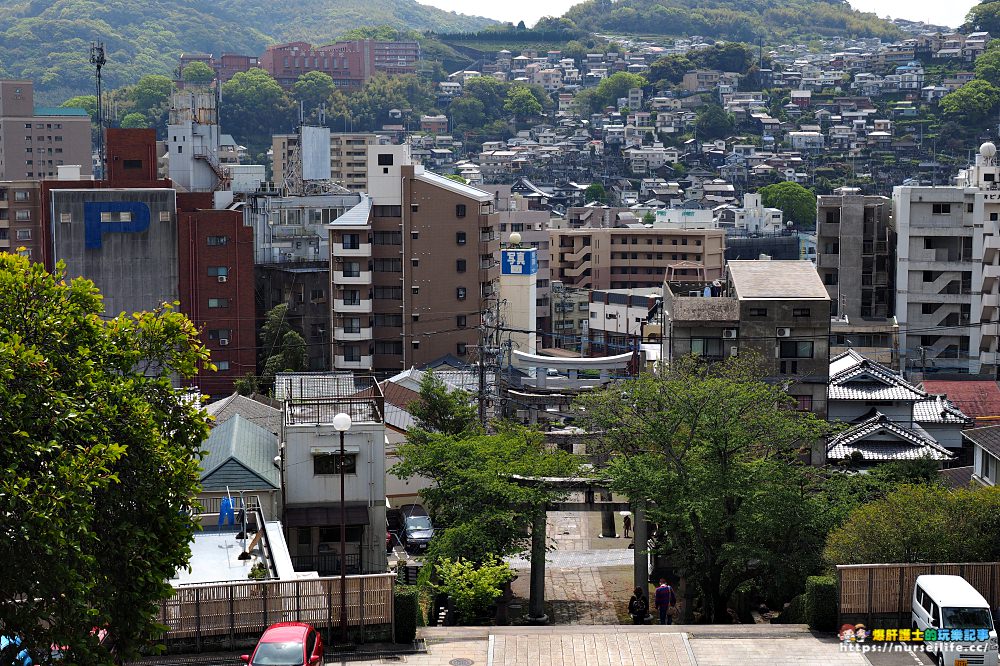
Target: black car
(417, 527)
(394, 528)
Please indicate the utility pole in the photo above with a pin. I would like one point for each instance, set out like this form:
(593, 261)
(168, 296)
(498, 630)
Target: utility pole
(98, 60)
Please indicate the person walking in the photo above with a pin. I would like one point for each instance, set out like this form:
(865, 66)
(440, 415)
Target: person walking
(638, 606)
(665, 599)
(627, 525)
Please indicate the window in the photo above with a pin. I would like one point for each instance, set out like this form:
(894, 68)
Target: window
(460, 237)
(804, 403)
(970, 207)
(352, 353)
(132, 164)
(352, 297)
(21, 195)
(180, 149)
(352, 269)
(706, 347)
(351, 241)
(941, 209)
(388, 238)
(215, 271)
(218, 240)
(461, 349)
(389, 320)
(460, 210)
(385, 159)
(800, 312)
(414, 208)
(388, 211)
(758, 312)
(994, 217)
(796, 349)
(460, 293)
(218, 302)
(22, 215)
(392, 348)
(329, 463)
(316, 295)
(460, 265)
(461, 321)
(218, 333)
(388, 265)
(389, 293)
(222, 365)
(928, 276)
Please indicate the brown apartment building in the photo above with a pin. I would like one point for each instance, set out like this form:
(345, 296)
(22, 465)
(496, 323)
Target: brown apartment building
(34, 141)
(351, 64)
(20, 226)
(412, 267)
(629, 258)
(348, 157)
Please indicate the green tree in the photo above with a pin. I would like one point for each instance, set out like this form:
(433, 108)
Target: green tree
(283, 349)
(595, 192)
(713, 449)
(925, 523)
(198, 73)
(313, 89)
(713, 122)
(458, 179)
(467, 112)
(796, 202)
(254, 107)
(491, 92)
(617, 85)
(482, 510)
(99, 463)
(648, 218)
(985, 16)
(371, 105)
(522, 104)
(443, 410)
(133, 121)
(85, 102)
(151, 92)
(670, 70)
(575, 50)
(973, 102)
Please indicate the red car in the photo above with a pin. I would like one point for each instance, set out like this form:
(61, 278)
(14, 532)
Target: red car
(287, 644)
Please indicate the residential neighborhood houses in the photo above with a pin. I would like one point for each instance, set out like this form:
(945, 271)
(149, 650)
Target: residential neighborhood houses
(492, 321)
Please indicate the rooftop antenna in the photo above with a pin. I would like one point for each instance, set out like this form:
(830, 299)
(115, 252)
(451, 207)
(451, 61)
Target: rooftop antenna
(98, 60)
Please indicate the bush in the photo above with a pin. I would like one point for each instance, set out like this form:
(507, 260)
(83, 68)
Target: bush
(406, 609)
(473, 589)
(821, 603)
(794, 613)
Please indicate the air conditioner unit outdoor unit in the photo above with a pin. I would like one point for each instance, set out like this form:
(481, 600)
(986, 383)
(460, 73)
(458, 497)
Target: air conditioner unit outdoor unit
(783, 332)
(223, 278)
(729, 333)
(223, 342)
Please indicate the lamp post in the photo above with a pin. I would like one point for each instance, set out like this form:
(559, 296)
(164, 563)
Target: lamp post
(342, 423)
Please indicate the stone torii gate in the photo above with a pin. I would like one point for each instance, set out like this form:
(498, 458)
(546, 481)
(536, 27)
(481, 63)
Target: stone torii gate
(596, 497)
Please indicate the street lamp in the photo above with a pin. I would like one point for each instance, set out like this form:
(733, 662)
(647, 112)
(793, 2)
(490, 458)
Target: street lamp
(342, 423)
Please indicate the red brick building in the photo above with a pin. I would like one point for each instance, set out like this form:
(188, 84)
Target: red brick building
(350, 64)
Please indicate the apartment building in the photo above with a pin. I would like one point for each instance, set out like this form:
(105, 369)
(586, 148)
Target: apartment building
(351, 64)
(856, 259)
(941, 272)
(35, 140)
(622, 319)
(779, 310)
(633, 258)
(348, 157)
(412, 267)
(20, 218)
(982, 181)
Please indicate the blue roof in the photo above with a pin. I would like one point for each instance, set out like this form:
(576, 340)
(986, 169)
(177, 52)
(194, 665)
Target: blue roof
(60, 111)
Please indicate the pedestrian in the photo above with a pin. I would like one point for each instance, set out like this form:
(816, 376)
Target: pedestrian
(638, 606)
(665, 600)
(627, 524)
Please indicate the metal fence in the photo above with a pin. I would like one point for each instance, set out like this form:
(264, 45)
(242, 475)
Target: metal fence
(233, 610)
(881, 594)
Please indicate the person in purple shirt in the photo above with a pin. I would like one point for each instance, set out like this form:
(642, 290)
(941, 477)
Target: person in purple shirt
(665, 599)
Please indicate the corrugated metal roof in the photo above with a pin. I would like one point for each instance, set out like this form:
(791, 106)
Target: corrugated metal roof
(905, 443)
(240, 454)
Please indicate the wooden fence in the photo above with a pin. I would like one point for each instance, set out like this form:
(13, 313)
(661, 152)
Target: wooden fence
(238, 609)
(883, 593)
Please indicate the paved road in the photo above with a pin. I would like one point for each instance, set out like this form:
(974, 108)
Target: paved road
(572, 559)
(898, 659)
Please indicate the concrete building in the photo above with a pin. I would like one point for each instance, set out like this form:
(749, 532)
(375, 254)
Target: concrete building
(412, 267)
(569, 313)
(635, 258)
(855, 258)
(348, 158)
(518, 290)
(621, 320)
(982, 182)
(20, 218)
(34, 141)
(351, 64)
(779, 310)
(311, 468)
(193, 143)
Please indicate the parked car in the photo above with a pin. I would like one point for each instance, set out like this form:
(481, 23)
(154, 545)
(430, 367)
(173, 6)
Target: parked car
(287, 644)
(417, 527)
(950, 602)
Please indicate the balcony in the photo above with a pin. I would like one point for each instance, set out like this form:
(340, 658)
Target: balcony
(352, 334)
(364, 306)
(360, 363)
(827, 260)
(340, 277)
(991, 330)
(486, 236)
(362, 250)
(991, 273)
(991, 300)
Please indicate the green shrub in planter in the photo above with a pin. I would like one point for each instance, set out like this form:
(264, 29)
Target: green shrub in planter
(821, 603)
(407, 608)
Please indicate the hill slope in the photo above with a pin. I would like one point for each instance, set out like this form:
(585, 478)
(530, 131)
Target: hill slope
(48, 40)
(741, 20)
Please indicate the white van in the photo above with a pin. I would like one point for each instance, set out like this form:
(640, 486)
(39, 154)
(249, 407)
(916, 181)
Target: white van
(950, 602)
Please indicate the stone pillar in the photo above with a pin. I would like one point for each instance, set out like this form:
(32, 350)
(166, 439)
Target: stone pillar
(536, 602)
(640, 570)
(608, 530)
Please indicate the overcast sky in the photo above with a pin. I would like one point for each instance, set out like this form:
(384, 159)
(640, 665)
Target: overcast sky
(932, 11)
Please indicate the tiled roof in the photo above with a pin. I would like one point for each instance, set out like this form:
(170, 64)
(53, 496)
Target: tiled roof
(904, 444)
(987, 438)
(938, 409)
(854, 377)
(239, 452)
(956, 477)
(978, 399)
(252, 410)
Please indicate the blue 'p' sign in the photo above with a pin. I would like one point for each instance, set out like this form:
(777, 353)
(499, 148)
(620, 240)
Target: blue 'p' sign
(135, 220)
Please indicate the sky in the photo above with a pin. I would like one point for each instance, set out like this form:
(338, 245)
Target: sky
(931, 11)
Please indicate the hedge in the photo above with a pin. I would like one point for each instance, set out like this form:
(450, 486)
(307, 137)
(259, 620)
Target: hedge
(821, 603)
(407, 608)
